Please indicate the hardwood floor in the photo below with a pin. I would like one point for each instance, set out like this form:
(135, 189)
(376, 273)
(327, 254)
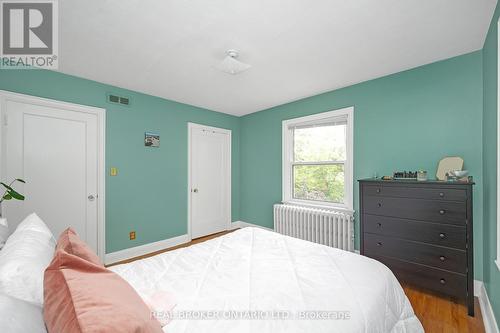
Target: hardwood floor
(437, 314)
(443, 315)
(194, 241)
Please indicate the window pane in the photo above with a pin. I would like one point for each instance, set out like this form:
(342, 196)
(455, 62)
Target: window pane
(319, 182)
(319, 144)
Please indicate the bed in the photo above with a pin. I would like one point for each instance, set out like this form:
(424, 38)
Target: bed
(271, 283)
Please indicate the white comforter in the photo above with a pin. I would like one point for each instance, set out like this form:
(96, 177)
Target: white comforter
(273, 283)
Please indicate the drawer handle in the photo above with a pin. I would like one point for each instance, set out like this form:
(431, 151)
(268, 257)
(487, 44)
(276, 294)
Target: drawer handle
(442, 212)
(379, 225)
(442, 281)
(442, 236)
(378, 190)
(379, 205)
(441, 194)
(379, 243)
(442, 258)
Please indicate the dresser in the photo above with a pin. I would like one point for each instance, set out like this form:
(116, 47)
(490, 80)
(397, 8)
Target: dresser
(422, 231)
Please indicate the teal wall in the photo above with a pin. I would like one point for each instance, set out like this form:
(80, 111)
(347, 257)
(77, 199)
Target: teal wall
(405, 121)
(491, 274)
(149, 194)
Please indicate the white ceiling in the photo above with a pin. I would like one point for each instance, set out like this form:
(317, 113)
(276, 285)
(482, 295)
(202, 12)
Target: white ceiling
(297, 48)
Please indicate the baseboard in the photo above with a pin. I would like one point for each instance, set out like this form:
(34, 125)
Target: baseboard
(478, 284)
(241, 224)
(490, 324)
(141, 250)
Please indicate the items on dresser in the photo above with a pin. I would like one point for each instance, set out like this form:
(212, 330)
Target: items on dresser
(405, 175)
(457, 175)
(448, 164)
(422, 231)
(422, 175)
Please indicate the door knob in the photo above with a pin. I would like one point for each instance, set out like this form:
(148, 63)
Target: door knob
(91, 197)
(195, 190)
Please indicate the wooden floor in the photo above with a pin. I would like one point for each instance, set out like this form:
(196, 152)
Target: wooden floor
(437, 314)
(194, 241)
(443, 315)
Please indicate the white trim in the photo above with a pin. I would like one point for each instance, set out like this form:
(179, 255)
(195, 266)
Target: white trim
(287, 150)
(192, 126)
(101, 143)
(241, 224)
(311, 204)
(498, 154)
(141, 250)
(478, 284)
(490, 324)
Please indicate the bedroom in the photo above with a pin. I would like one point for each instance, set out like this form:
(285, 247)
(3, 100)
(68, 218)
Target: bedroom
(111, 127)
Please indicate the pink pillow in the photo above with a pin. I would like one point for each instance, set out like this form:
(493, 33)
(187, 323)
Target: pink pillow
(72, 244)
(82, 297)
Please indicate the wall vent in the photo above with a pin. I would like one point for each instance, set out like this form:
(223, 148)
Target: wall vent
(115, 99)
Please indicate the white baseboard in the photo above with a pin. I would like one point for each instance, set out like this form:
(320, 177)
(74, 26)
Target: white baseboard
(490, 324)
(141, 250)
(478, 284)
(241, 224)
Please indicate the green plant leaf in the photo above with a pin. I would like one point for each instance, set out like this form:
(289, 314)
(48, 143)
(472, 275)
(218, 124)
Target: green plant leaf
(21, 180)
(6, 186)
(15, 195)
(7, 197)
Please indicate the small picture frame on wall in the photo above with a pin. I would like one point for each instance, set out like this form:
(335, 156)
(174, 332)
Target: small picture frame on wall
(151, 140)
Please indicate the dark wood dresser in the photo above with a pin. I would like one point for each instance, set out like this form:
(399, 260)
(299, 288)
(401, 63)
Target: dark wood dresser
(422, 231)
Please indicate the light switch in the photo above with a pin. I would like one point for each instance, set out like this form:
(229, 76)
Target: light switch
(114, 171)
(131, 235)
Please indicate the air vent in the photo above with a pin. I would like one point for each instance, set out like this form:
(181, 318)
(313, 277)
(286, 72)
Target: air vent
(115, 99)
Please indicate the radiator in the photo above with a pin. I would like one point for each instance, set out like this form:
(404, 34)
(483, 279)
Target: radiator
(327, 227)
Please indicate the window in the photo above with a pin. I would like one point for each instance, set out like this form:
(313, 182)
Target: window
(317, 159)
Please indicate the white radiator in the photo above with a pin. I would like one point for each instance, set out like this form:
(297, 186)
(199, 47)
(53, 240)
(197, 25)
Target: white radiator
(327, 227)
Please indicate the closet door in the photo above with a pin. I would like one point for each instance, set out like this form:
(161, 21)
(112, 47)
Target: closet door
(210, 178)
(55, 149)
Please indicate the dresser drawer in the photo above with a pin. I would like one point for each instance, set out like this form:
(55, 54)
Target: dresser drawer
(421, 253)
(416, 192)
(452, 284)
(433, 233)
(416, 209)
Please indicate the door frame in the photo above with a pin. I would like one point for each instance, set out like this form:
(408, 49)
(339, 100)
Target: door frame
(191, 127)
(101, 146)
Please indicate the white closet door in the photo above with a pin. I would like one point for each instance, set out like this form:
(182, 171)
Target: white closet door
(210, 175)
(55, 150)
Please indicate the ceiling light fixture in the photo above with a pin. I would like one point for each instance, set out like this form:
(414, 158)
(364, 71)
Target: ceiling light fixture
(231, 65)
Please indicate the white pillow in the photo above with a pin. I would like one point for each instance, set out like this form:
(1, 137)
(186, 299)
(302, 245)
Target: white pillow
(20, 316)
(4, 232)
(23, 259)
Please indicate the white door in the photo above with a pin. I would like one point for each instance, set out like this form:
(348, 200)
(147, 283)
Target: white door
(210, 180)
(55, 149)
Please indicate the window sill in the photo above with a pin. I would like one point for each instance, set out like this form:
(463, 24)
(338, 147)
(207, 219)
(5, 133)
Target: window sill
(319, 206)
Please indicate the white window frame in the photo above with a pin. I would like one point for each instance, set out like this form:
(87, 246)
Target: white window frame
(288, 151)
(498, 155)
